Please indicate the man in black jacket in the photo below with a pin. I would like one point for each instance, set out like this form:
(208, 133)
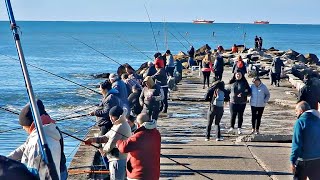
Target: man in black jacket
(133, 99)
(310, 92)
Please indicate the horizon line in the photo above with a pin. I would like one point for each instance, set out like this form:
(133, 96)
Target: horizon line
(159, 22)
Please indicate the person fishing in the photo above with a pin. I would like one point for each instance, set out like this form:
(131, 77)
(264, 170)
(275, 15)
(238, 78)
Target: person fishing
(169, 64)
(161, 79)
(206, 68)
(29, 152)
(119, 131)
(109, 99)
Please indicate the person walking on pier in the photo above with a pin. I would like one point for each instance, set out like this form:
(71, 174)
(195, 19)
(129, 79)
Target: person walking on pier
(30, 154)
(150, 98)
(239, 65)
(239, 91)
(305, 156)
(218, 67)
(110, 99)
(206, 68)
(216, 95)
(143, 149)
(310, 92)
(259, 97)
(277, 66)
(119, 131)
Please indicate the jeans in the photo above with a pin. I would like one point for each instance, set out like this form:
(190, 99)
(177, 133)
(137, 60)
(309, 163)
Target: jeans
(214, 114)
(206, 77)
(218, 75)
(169, 71)
(237, 109)
(117, 169)
(256, 113)
(308, 169)
(164, 103)
(153, 113)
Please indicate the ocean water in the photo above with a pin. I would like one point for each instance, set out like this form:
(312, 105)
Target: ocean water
(49, 45)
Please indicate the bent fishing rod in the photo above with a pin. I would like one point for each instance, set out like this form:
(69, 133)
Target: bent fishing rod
(51, 73)
(154, 37)
(45, 150)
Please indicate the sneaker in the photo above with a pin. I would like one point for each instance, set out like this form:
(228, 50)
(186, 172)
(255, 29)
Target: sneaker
(252, 131)
(239, 131)
(219, 139)
(257, 132)
(207, 139)
(230, 130)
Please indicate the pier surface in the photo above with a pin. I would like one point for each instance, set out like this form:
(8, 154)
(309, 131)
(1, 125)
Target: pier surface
(183, 137)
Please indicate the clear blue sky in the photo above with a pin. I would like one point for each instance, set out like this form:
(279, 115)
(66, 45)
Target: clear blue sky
(229, 11)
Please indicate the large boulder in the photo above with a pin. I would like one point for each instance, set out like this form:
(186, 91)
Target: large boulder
(301, 58)
(202, 51)
(312, 58)
(291, 54)
(272, 49)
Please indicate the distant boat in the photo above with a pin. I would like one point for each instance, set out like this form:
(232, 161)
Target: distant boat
(202, 21)
(261, 22)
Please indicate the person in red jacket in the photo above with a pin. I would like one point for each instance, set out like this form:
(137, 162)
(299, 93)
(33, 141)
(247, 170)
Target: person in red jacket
(143, 148)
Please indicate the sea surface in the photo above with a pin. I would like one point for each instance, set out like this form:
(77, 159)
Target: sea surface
(51, 46)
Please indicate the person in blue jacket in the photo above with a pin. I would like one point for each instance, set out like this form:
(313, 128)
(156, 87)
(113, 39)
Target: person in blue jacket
(305, 156)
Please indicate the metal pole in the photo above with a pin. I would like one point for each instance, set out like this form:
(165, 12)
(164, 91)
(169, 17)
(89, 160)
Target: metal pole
(47, 156)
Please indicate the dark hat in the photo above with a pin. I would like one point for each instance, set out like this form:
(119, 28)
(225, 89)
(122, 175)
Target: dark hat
(168, 52)
(106, 85)
(116, 111)
(25, 116)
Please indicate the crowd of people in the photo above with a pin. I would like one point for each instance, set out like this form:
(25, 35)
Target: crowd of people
(131, 103)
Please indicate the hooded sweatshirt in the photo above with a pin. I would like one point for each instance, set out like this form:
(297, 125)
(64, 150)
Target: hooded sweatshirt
(150, 98)
(143, 149)
(120, 130)
(306, 137)
(30, 154)
(106, 104)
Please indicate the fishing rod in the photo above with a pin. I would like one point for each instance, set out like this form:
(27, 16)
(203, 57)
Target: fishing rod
(178, 40)
(154, 37)
(16, 113)
(79, 139)
(133, 46)
(76, 172)
(55, 75)
(95, 50)
(45, 150)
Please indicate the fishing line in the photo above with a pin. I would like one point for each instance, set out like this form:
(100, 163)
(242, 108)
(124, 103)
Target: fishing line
(133, 46)
(95, 50)
(79, 139)
(181, 35)
(154, 37)
(178, 40)
(62, 119)
(55, 75)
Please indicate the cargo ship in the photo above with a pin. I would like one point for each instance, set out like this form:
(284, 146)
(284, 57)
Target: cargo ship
(261, 22)
(202, 21)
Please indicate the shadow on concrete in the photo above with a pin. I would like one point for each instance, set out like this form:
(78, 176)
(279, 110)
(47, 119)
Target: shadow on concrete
(272, 146)
(170, 148)
(173, 142)
(177, 173)
(173, 164)
(202, 157)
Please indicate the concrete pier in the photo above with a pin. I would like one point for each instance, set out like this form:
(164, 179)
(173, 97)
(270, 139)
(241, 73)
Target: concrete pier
(183, 134)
